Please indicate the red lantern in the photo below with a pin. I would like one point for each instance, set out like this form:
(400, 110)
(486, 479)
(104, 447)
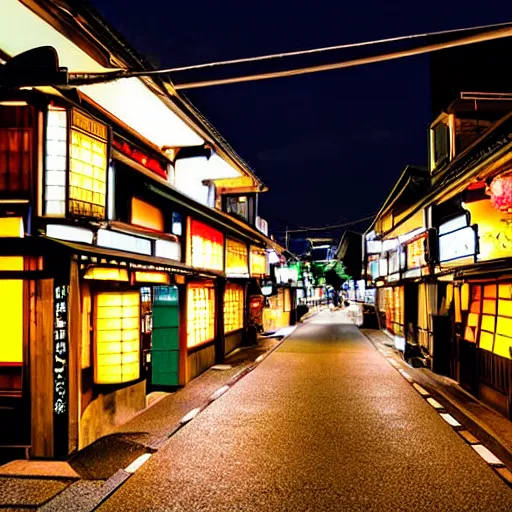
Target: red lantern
(500, 190)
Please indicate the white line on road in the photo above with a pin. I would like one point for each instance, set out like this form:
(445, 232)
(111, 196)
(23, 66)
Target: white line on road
(405, 375)
(434, 403)
(219, 392)
(420, 390)
(190, 416)
(137, 463)
(487, 455)
(450, 419)
(260, 358)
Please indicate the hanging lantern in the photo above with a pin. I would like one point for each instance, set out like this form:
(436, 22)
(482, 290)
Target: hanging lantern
(500, 191)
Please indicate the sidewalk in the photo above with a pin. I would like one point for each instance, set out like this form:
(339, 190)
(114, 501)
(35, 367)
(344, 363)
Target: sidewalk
(487, 425)
(90, 475)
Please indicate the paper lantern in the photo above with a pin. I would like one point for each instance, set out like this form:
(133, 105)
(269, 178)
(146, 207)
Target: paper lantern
(500, 190)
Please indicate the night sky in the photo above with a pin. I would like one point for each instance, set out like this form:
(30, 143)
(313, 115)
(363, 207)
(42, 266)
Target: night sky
(329, 145)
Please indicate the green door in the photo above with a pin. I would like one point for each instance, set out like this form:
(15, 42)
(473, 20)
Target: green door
(165, 337)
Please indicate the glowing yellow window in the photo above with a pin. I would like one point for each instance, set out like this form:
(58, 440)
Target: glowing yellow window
(117, 337)
(486, 340)
(502, 346)
(233, 308)
(472, 320)
(87, 176)
(488, 323)
(11, 320)
(146, 215)
(505, 307)
(490, 291)
(504, 326)
(200, 314)
(505, 291)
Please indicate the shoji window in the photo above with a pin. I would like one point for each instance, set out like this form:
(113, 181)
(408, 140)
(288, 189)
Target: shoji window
(233, 308)
(200, 314)
(117, 337)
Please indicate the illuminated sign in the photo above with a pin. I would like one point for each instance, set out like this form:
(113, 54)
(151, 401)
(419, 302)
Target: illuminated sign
(394, 262)
(206, 246)
(258, 261)
(285, 275)
(120, 241)
(12, 227)
(60, 367)
(236, 258)
(71, 233)
(383, 267)
(373, 247)
(416, 253)
(494, 230)
(168, 249)
(88, 166)
(457, 244)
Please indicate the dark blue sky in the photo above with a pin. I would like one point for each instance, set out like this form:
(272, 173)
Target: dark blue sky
(329, 145)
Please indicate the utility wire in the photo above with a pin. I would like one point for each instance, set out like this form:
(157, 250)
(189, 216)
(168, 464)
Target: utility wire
(331, 48)
(325, 228)
(485, 36)
(93, 78)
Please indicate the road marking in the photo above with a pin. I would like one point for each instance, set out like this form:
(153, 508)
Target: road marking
(392, 361)
(469, 437)
(260, 358)
(420, 390)
(487, 455)
(406, 375)
(219, 392)
(450, 419)
(190, 416)
(434, 403)
(137, 463)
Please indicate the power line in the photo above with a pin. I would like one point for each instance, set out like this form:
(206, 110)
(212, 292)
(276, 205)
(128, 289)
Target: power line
(331, 48)
(326, 228)
(93, 78)
(485, 36)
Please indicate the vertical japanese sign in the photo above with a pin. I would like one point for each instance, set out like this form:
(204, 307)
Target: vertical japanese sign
(60, 369)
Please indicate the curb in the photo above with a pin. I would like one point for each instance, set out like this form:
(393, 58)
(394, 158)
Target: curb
(484, 443)
(111, 485)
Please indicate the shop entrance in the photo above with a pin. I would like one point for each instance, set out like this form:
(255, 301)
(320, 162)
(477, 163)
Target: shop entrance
(165, 336)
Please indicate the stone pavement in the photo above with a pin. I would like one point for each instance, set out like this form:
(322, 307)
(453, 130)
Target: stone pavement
(85, 478)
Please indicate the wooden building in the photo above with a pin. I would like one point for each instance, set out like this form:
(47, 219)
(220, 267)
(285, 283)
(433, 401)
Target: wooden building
(129, 235)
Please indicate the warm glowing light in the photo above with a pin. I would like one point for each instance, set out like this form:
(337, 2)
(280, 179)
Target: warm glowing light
(121, 241)
(12, 227)
(207, 246)
(233, 307)
(87, 176)
(11, 262)
(56, 162)
(152, 277)
(200, 314)
(106, 274)
(11, 317)
(72, 233)
(117, 337)
(258, 261)
(236, 258)
(146, 215)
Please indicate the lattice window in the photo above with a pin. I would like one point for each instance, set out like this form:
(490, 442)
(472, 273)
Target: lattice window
(200, 314)
(233, 308)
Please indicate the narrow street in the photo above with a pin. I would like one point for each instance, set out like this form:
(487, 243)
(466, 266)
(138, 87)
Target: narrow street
(324, 423)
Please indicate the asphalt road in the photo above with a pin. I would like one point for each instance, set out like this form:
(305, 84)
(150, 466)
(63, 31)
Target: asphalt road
(324, 423)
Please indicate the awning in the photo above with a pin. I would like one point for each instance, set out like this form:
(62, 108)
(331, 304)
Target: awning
(45, 246)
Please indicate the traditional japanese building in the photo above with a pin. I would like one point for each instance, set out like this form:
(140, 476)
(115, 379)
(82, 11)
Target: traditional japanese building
(129, 236)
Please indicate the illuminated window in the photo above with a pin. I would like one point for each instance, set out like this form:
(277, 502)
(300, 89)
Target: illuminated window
(11, 319)
(146, 215)
(16, 148)
(233, 308)
(86, 327)
(200, 314)
(258, 262)
(117, 337)
(236, 257)
(56, 162)
(206, 246)
(12, 227)
(88, 175)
